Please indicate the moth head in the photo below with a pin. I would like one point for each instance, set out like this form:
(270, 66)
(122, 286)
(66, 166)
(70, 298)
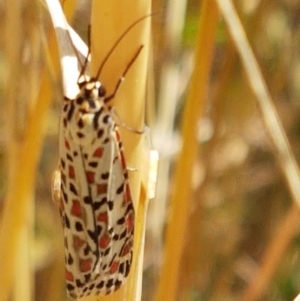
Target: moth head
(91, 87)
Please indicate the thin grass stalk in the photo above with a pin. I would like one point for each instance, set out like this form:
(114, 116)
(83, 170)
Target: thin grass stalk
(13, 50)
(180, 200)
(166, 111)
(274, 253)
(21, 187)
(109, 20)
(23, 288)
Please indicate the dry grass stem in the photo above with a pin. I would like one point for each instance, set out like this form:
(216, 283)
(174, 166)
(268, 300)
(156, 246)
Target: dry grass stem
(21, 186)
(180, 205)
(273, 255)
(108, 22)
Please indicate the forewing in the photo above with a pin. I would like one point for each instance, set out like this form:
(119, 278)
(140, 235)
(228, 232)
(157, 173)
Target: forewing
(97, 212)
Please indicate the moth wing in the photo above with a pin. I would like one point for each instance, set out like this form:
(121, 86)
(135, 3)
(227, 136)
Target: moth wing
(77, 215)
(115, 217)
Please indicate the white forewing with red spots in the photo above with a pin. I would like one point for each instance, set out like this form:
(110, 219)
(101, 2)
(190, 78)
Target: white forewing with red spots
(92, 191)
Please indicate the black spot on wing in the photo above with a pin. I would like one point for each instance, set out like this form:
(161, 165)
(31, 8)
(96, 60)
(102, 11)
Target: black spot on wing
(118, 283)
(85, 289)
(79, 283)
(70, 287)
(70, 259)
(96, 120)
(87, 277)
(93, 164)
(121, 221)
(110, 205)
(100, 133)
(127, 268)
(62, 163)
(80, 123)
(107, 251)
(87, 200)
(120, 189)
(98, 205)
(91, 286)
(67, 222)
(65, 196)
(109, 283)
(92, 235)
(78, 227)
(86, 251)
(69, 158)
(106, 118)
(73, 189)
(65, 108)
(105, 176)
(121, 268)
(100, 285)
(79, 100)
(71, 111)
(123, 234)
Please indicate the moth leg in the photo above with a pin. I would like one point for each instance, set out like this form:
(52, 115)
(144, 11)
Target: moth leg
(55, 187)
(131, 169)
(122, 78)
(125, 126)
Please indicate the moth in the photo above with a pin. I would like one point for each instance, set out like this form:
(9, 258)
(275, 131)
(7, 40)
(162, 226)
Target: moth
(92, 191)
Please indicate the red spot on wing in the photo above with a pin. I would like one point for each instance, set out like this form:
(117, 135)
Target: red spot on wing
(126, 249)
(76, 208)
(71, 172)
(104, 241)
(98, 152)
(122, 159)
(130, 222)
(85, 265)
(103, 217)
(61, 205)
(101, 189)
(118, 136)
(127, 196)
(78, 243)
(90, 176)
(67, 144)
(69, 276)
(114, 267)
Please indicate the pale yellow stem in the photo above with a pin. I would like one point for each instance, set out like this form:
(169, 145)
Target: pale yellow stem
(181, 195)
(20, 188)
(109, 20)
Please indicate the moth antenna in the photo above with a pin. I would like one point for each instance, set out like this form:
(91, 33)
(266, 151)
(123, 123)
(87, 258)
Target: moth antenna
(114, 46)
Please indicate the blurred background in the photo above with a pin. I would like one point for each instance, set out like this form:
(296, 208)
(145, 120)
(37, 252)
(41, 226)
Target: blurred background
(241, 237)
